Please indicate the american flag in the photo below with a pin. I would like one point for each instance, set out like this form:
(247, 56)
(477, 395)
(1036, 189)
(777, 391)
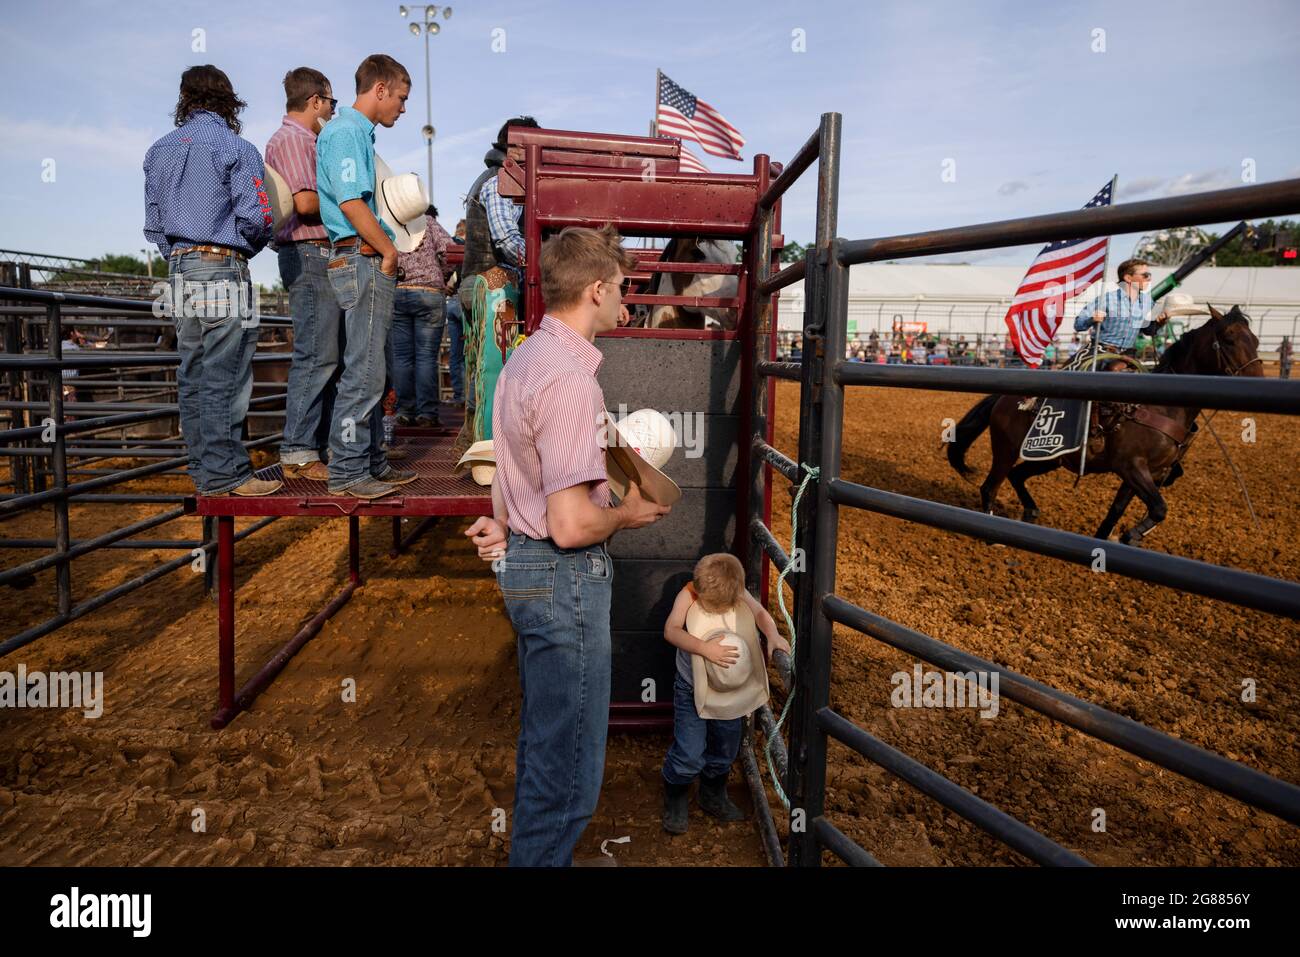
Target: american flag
(688, 162)
(680, 114)
(1061, 271)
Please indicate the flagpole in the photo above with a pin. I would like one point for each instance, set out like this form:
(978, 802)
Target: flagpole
(654, 117)
(1096, 340)
(1105, 270)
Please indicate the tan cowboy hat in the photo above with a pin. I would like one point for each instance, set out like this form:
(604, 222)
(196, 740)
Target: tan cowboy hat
(740, 688)
(1181, 304)
(402, 204)
(281, 196)
(636, 449)
(482, 461)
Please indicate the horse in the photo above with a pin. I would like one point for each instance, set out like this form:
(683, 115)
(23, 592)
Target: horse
(1143, 444)
(693, 249)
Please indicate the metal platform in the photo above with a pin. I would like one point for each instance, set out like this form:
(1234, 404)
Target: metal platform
(438, 491)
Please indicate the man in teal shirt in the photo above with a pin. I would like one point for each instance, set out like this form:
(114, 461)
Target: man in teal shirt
(363, 275)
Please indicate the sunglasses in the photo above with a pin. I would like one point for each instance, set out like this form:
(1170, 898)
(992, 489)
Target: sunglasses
(624, 287)
(330, 100)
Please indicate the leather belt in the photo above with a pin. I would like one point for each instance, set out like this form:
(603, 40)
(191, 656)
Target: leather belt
(222, 251)
(324, 243)
(355, 242)
(416, 285)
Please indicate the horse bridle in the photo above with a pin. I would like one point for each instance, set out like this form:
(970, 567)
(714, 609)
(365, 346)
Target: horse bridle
(1222, 361)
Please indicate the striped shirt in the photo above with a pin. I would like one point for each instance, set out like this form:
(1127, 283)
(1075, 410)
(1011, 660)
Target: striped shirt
(291, 152)
(548, 426)
(1124, 317)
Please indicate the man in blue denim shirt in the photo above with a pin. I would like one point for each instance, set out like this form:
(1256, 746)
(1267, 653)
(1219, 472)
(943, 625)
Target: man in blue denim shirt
(1122, 313)
(363, 273)
(207, 211)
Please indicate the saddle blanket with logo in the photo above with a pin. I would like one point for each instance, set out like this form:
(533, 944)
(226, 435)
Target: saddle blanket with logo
(1060, 427)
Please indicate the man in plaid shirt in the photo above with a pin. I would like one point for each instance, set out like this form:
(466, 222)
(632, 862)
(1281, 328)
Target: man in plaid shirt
(1122, 313)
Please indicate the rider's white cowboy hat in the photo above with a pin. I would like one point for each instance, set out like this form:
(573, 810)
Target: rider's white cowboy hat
(402, 203)
(280, 195)
(636, 449)
(741, 687)
(482, 461)
(1181, 304)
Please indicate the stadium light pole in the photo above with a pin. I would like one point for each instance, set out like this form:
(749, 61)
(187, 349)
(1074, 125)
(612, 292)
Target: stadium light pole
(426, 23)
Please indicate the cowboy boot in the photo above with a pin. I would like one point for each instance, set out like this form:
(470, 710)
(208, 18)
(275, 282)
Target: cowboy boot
(714, 801)
(676, 807)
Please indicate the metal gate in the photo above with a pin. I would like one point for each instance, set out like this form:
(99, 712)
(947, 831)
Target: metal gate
(823, 373)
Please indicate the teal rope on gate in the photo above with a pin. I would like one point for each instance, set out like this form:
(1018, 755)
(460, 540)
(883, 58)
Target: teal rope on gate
(811, 475)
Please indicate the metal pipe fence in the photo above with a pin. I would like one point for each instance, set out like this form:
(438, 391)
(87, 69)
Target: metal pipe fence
(824, 373)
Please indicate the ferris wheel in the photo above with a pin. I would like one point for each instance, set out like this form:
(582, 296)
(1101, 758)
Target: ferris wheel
(1171, 247)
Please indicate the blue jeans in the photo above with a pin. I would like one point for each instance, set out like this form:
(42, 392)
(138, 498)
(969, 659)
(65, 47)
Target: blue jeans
(316, 318)
(216, 334)
(699, 744)
(456, 341)
(366, 297)
(418, 320)
(558, 600)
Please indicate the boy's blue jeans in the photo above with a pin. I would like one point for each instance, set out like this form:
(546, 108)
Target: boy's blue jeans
(699, 744)
(558, 600)
(316, 317)
(365, 295)
(216, 334)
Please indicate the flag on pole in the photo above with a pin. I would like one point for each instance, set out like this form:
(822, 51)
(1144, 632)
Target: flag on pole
(679, 113)
(688, 162)
(1061, 271)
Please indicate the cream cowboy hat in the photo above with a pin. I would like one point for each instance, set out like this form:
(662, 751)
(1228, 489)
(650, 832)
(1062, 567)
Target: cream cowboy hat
(482, 461)
(402, 203)
(1181, 304)
(739, 689)
(636, 448)
(281, 196)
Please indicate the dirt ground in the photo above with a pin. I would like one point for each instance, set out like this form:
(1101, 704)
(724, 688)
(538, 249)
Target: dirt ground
(417, 771)
(1173, 661)
(421, 766)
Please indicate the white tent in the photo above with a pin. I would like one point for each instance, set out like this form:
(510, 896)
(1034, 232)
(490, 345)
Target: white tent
(971, 300)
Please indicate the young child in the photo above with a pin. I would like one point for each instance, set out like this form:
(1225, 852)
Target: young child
(721, 677)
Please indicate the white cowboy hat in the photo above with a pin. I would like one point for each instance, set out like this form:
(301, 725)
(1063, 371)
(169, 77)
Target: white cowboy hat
(741, 687)
(1181, 304)
(281, 196)
(482, 461)
(636, 448)
(402, 203)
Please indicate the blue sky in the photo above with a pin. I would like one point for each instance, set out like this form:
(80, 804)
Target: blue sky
(1014, 93)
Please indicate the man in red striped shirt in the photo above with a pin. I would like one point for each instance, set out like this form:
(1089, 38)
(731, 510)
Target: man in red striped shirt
(552, 514)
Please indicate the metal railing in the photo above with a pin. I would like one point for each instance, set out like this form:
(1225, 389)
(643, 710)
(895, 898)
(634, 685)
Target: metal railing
(42, 427)
(823, 374)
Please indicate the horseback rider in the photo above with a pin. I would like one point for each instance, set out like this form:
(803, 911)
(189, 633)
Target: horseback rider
(1120, 314)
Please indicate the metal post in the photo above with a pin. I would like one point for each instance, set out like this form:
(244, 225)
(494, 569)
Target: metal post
(824, 337)
(428, 102)
(225, 619)
(59, 456)
(757, 338)
(354, 549)
(532, 292)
